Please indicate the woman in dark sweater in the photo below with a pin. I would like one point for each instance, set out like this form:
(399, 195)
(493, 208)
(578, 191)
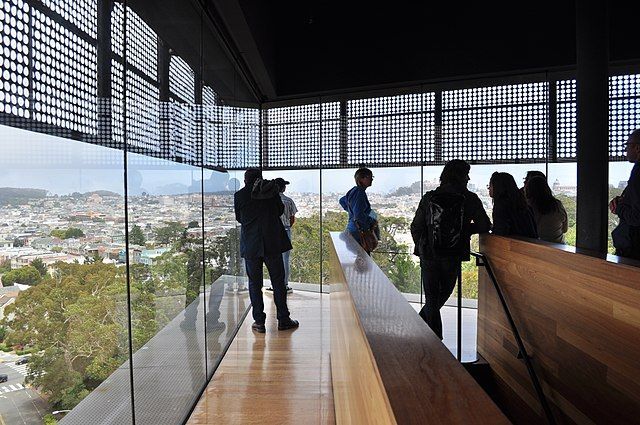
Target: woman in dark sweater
(549, 213)
(511, 214)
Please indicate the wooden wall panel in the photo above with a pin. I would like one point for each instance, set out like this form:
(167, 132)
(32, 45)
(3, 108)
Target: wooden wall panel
(579, 316)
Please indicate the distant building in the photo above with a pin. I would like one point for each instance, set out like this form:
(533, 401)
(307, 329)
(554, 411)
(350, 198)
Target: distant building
(148, 256)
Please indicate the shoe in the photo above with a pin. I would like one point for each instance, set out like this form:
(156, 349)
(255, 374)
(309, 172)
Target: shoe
(270, 289)
(259, 327)
(289, 289)
(288, 324)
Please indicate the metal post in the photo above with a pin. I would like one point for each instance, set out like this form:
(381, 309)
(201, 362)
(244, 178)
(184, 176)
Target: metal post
(592, 124)
(459, 332)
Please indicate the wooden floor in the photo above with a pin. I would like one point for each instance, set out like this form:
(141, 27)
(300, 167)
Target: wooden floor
(281, 377)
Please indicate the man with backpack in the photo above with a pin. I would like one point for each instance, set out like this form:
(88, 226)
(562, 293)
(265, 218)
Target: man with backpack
(441, 230)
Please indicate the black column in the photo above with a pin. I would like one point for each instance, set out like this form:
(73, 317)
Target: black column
(104, 55)
(592, 46)
(164, 59)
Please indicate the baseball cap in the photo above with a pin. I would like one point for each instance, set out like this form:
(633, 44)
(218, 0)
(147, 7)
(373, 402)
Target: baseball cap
(281, 182)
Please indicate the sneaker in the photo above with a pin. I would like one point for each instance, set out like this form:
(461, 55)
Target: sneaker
(270, 289)
(259, 327)
(289, 289)
(288, 324)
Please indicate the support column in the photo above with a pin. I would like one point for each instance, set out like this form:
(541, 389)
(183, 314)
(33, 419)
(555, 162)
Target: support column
(592, 46)
(164, 58)
(104, 54)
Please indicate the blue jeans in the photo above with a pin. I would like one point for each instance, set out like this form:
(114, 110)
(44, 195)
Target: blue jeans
(285, 259)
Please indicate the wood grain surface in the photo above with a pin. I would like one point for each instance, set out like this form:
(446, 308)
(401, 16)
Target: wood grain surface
(281, 377)
(579, 316)
(378, 339)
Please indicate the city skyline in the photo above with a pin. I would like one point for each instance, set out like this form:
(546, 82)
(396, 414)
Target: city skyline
(65, 166)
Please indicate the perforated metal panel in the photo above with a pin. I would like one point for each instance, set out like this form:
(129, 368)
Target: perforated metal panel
(14, 58)
(240, 144)
(181, 80)
(566, 119)
(330, 136)
(496, 124)
(65, 82)
(81, 13)
(292, 136)
(142, 41)
(624, 112)
(395, 130)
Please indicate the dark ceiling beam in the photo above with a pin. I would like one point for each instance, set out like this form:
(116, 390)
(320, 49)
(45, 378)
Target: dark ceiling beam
(193, 36)
(246, 46)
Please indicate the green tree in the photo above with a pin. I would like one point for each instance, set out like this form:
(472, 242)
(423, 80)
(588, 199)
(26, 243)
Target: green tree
(73, 233)
(26, 275)
(76, 325)
(57, 233)
(193, 225)
(136, 236)
(5, 266)
(39, 265)
(18, 243)
(70, 233)
(169, 233)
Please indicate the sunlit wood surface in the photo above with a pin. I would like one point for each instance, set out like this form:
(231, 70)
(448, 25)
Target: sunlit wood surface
(579, 317)
(281, 377)
(387, 365)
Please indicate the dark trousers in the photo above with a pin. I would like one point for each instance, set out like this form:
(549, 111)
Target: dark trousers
(275, 266)
(438, 279)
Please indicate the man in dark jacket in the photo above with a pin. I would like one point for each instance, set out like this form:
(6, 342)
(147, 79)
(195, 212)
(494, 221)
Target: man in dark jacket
(440, 266)
(262, 241)
(626, 236)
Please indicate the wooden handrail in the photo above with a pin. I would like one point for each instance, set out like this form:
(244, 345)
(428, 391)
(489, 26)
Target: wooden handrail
(387, 365)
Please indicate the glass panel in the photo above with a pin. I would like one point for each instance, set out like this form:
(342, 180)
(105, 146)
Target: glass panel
(225, 290)
(304, 259)
(62, 230)
(562, 179)
(167, 303)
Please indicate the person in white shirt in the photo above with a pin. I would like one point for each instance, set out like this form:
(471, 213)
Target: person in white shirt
(288, 217)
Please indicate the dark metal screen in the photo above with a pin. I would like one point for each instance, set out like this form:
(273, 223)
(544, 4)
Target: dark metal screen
(396, 130)
(51, 82)
(624, 112)
(566, 120)
(495, 124)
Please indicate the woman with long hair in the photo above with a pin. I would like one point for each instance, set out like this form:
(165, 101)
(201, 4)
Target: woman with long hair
(362, 220)
(511, 214)
(548, 211)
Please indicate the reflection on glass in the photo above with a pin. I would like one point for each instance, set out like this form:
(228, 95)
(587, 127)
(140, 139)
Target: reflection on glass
(619, 173)
(64, 329)
(166, 279)
(225, 284)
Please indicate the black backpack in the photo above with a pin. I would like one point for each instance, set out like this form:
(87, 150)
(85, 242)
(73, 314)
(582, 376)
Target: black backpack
(445, 220)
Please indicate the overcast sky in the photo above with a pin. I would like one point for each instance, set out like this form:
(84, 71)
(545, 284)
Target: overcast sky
(63, 166)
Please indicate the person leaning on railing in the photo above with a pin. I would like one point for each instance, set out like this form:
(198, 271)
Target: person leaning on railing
(441, 230)
(362, 219)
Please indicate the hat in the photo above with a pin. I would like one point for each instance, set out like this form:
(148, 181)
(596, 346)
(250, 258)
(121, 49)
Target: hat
(281, 182)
